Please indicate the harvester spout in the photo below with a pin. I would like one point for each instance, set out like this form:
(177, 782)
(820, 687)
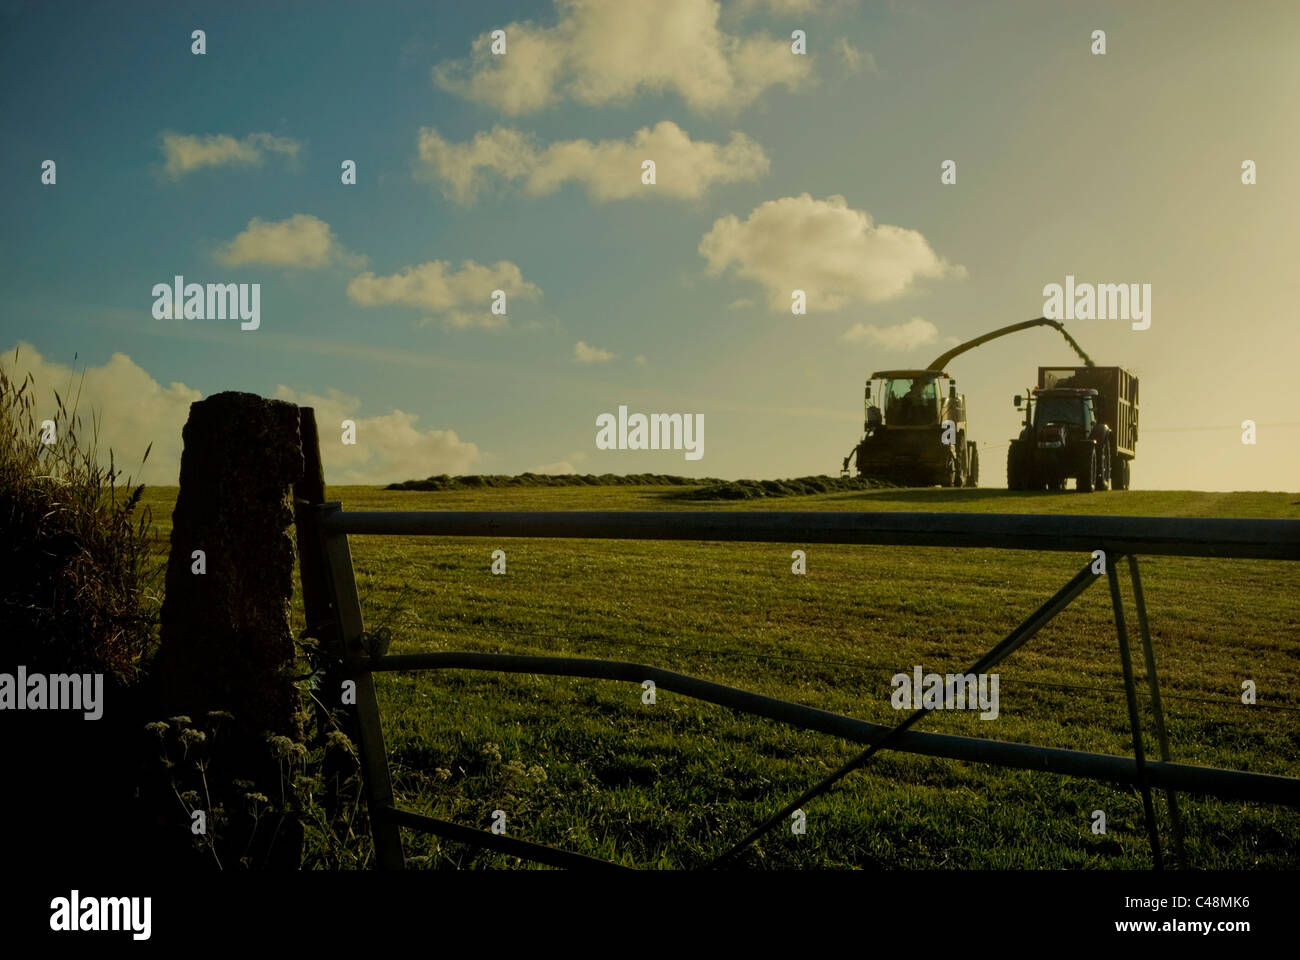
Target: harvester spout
(942, 360)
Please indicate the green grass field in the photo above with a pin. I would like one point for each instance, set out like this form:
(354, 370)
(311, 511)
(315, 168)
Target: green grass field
(586, 766)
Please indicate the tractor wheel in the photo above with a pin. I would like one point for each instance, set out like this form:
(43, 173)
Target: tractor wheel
(973, 478)
(1015, 477)
(1087, 469)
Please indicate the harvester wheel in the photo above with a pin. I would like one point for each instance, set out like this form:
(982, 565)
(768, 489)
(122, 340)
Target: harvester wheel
(973, 478)
(1087, 469)
(950, 472)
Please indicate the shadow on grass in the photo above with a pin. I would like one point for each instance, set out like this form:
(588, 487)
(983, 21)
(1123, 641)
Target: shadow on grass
(949, 495)
(920, 496)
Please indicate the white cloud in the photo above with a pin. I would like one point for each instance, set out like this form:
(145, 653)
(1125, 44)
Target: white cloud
(609, 51)
(567, 465)
(389, 448)
(459, 298)
(185, 153)
(835, 254)
(554, 469)
(585, 354)
(608, 169)
(640, 360)
(855, 61)
(914, 333)
(742, 303)
(506, 152)
(792, 6)
(134, 409)
(300, 241)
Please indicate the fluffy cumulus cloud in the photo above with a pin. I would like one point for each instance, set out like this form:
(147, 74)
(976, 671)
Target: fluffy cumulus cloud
(300, 241)
(582, 353)
(389, 448)
(607, 169)
(184, 153)
(609, 51)
(458, 298)
(835, 254)
(568, 465)
(913, 333)
(133, 408)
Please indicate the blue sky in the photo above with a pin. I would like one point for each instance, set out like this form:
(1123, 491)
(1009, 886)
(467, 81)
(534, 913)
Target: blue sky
(1117, 168)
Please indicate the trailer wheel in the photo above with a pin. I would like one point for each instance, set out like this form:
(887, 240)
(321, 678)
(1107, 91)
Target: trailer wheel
(1087, 469)
(1119, 473)
(973, 478)
(1103, 469)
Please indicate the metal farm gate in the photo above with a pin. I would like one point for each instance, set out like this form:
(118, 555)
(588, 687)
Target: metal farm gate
(332, 607)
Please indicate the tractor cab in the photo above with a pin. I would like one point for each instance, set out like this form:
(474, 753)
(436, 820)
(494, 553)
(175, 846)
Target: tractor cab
(1058, 407)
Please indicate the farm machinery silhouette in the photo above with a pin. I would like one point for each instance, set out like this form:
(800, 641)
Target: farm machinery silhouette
(1079, 422)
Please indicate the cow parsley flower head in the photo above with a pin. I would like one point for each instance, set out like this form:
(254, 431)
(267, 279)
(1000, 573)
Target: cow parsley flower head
(339, 740)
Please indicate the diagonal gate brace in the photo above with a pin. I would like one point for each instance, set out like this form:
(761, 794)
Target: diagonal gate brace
(1012, 642)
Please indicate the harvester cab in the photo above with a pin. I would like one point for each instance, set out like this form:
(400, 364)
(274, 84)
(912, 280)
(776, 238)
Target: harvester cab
(904, 398)
(913, 398)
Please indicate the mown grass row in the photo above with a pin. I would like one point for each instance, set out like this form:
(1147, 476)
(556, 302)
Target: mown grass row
(693, 488)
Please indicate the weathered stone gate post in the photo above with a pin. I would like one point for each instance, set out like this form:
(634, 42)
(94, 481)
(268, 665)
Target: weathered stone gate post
(226, 640)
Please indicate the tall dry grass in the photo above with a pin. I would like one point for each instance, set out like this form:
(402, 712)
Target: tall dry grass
(78, 585)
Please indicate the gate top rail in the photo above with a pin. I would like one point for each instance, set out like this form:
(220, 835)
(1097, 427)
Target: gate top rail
(1268, 539)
